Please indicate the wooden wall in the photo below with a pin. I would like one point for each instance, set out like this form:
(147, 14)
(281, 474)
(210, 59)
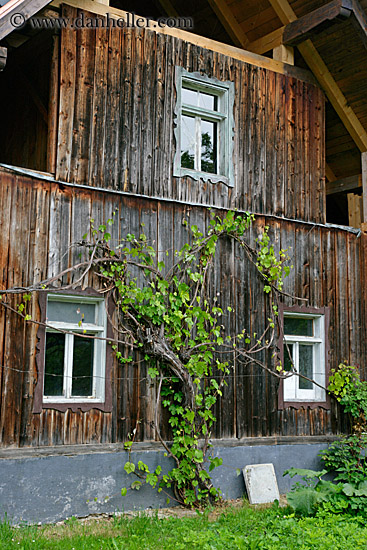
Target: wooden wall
(38, 221)
(116, 123)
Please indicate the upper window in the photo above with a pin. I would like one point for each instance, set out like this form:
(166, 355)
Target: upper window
(204, 133)
(304, 346)
(74, 361)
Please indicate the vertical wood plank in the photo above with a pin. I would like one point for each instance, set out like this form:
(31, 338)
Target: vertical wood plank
(53, 105)
(67, 97)
(99, 128)
(291, 187)
(14, 359)
(84, 91)
(36, 272)
(114, 91)
(364, 185)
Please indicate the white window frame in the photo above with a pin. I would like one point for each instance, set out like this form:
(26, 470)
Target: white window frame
(224, 91)
(99, 328)
(291, 389)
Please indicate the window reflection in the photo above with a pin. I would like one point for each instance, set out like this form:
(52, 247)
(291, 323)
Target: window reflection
(208, 147)
(188, 140)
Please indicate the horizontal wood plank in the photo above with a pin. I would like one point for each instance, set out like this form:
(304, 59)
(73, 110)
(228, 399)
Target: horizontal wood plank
(343, 185)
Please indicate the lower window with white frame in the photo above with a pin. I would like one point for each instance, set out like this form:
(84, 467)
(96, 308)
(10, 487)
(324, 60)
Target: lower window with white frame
(74, 349)
(304, 351)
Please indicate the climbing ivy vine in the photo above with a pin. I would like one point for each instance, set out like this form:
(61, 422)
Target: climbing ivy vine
(168, 315)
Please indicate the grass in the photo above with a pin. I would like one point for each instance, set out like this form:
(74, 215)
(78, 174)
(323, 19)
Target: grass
(243, 528)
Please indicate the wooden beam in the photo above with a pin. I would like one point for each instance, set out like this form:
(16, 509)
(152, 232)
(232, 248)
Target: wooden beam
(364, 185)
(303, 28)
(294, 32)
(229, 22)
(323, 75)
(168, 8)
(329, 173)
(201, 41)
(267, 42)
(284, 53)
(335, 95)
(283, 11)
(53, 107)
(26, 8)
(3, 56)
(344, 184)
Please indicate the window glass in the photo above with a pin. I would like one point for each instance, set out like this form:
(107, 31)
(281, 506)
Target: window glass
(208, 146)
(70, 312)
(305, 366)
(82, 383)
(208, 101)
(188, 139)
(298, 327)
(189, 96)
(54, 359)
(288, 357)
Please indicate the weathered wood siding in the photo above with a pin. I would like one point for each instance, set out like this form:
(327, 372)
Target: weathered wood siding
(39, 220)
(116, 124)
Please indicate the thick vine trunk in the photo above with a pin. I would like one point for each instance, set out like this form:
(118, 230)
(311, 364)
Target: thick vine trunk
(158, 346)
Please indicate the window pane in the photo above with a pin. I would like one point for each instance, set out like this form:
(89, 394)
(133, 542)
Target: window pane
(54, 363)
(208, 146)
(287, 359)
(82, 382)
(70, 312)
(208, 101)
(305, 366)
(298, 327)
(188, 142)
(189, 96)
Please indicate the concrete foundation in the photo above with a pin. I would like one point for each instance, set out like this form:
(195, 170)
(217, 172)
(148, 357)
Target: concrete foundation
(50, 484)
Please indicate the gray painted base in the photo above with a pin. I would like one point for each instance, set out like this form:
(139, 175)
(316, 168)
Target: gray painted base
(40, 486)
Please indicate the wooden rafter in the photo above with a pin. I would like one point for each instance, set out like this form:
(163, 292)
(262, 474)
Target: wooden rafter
(329, 173)
(298, 31)
(229, 22)
(168, 8)
(326, 80)
(284, 11)
(26, 7)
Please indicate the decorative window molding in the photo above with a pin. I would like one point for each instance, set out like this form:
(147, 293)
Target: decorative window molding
(304, 341)
(205, 128)
(73, 371)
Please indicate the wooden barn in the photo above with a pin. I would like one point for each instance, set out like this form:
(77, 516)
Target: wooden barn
(104, 108)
